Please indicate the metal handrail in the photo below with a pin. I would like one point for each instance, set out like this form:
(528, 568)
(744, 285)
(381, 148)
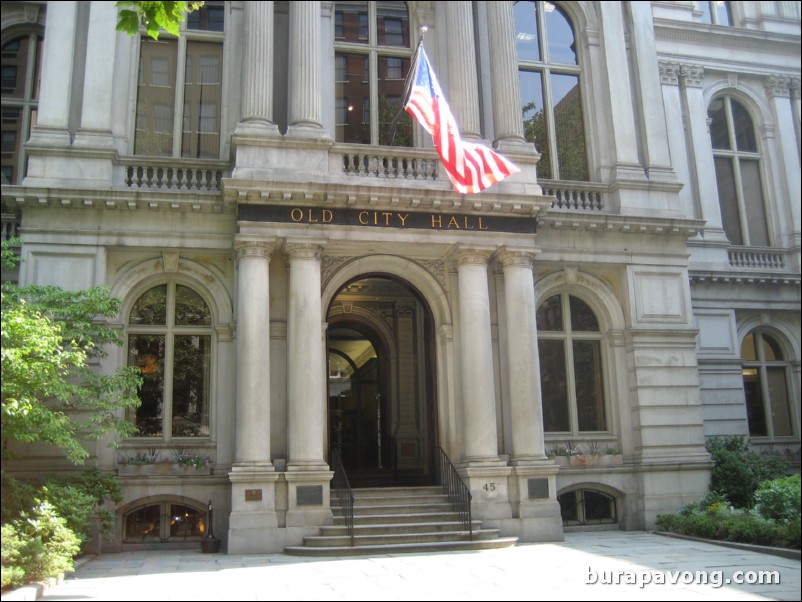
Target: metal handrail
(458, 493)
(341, 488)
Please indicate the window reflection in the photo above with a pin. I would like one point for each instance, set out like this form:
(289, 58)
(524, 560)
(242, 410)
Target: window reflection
(551, 95)
(164, 521)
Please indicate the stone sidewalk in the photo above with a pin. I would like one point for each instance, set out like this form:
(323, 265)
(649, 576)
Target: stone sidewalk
(610, 565)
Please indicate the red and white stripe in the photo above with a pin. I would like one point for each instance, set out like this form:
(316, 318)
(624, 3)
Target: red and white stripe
(471, 167)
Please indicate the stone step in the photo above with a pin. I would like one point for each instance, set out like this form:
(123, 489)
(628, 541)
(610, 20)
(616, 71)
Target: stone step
(396, 499)
(411, 517)
(383, 492)
(324, 541)
(418, 508)
(425, 527)
(406, 548)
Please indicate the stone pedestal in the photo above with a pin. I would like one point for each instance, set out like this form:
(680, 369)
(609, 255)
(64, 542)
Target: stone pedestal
(252, 525)
(533, 500)
(308, 504)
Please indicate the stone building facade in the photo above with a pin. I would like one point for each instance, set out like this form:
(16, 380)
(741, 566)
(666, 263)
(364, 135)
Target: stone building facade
(298, 276)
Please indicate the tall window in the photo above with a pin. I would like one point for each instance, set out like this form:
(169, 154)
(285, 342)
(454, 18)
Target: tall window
(176, 120)
(740, 190)
(372, 59)
(551, 97)
(21, 71)
(716, 13)
(766, 373)
(569, 342)
(169, 340)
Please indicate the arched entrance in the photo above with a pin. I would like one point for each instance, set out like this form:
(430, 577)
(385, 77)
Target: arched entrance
(381, 382)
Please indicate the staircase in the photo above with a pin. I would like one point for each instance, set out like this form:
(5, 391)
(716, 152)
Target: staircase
(391, 520)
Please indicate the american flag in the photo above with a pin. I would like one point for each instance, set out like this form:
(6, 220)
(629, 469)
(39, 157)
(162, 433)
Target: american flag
(471, 167)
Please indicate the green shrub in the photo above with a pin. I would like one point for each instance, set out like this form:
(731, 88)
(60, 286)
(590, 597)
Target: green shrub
(44, 527)
(36, 546)
(738, 470)
(779, 499)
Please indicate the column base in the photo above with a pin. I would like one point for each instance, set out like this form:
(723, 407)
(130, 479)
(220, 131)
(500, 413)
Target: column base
(312, 131)
(533, 498)
(253, 523)
(94, 139)
(258, 128)
(308, 503)
(489, 490)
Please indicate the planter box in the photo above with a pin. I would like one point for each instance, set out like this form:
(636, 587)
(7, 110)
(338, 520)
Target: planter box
(162, 469)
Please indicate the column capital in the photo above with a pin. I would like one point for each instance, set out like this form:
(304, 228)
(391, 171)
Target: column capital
(472, 255)
(516, 257)
(778, 86)
(795, 85)
(669, 72)
(304, 249)
(248, 247)
(692, 76)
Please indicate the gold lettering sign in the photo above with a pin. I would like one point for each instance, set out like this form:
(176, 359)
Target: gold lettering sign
(446, 222)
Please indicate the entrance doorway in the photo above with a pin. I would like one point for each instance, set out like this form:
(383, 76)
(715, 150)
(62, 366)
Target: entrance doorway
(381, 382)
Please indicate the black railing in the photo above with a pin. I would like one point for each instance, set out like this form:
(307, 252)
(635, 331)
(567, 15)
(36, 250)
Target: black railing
(341, 489)
(458, 493)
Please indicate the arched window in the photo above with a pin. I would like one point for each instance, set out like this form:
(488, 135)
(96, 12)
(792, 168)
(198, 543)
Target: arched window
(165, 521)
(569, 342)
(21, 70)
(587, 507)
(551, 96)
(372, 57)
(766, 374)
(737, 159)
(169, 340)
(178, 105)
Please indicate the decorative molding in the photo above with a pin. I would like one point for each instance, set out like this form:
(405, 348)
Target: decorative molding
(778, 86)
(692, 75)
(795, 83)
(253, 248)
(669, 72)
(436, 269)
(304, 250)
(170, 261)
(329, 264)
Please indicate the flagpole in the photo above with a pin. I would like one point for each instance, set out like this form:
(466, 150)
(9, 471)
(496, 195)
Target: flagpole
(413, 68)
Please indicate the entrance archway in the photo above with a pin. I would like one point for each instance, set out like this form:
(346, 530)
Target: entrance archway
(381, 375)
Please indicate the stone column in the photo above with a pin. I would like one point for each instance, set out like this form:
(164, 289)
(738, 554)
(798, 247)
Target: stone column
(778, 91)
(253, 354)
(480, 440)
(257, 76)
(619, 88)
(691, 80)
(507, 119)
(463, 89)
(306, 361)
(101, 48)
(672, 101)
(653, 122)
(253, 523)
(526, 412)
(52, 123)
(305, 85)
